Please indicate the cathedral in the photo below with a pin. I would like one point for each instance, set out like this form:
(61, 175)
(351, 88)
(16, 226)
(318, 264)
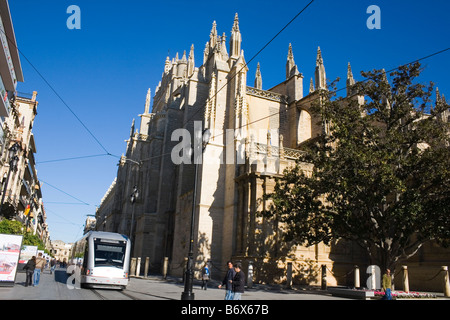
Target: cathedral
(255, 135)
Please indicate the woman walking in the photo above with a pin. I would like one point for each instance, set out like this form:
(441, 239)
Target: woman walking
(29, 269)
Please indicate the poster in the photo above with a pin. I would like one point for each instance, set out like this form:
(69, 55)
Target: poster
(9, 258)
(25, 254)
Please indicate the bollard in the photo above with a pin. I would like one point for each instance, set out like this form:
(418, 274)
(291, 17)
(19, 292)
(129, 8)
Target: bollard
(446, 282)
(250, 275)
(165, 267)
(147, 265)
(324, 277)
(133, 267)
(405, 279)
(357, 277)
(289, 275)
(138, 267)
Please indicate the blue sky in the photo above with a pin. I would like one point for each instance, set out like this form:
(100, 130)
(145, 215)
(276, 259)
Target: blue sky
(104, 70)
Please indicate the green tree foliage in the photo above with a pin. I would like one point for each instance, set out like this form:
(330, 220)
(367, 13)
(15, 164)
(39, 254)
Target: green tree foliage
(380, 175)
(15, 227)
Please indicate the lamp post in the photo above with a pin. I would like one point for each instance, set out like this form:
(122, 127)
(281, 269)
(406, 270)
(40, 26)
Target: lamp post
(13, 161)
(133, 197)
(189, 276)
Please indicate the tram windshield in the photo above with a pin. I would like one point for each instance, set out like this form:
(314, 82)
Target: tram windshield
(109, 253)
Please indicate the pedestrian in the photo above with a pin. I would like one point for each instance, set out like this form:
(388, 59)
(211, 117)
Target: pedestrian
(40, 264)
(205, 276)
(52, 265)
(227, 281)
(238, 282)
(29, 269)
(387, 285)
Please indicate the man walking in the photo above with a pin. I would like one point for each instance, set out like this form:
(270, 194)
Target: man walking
(238, 282)
(227, 281)
(387, 285)
(40, 264)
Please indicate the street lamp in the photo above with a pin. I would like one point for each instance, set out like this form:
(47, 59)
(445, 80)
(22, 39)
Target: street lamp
(13, 161)
(188, 293)
(133, 197)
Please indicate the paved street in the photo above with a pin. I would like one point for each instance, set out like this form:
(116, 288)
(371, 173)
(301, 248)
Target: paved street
(54, 287)
(166, 295)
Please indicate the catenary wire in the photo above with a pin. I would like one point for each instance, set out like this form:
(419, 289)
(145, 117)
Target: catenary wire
(307, 102)
(253, 58)
(57, 94)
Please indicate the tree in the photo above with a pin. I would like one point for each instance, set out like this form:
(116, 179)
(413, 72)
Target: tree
(15, 227)
(380, 174)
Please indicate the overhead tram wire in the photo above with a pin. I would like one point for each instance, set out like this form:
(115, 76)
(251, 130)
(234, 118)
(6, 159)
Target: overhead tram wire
(333, 91)
(66, 193)
(74, 158)
(107, 153)
(58, 95)
(344, 88)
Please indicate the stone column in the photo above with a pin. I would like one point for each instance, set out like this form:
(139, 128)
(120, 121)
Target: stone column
(165, 267)
(446, 282)
(138, 267)
(147, 265)
(250, 275)
(405, 279)
(133, 267)
(289, 275)
(357, 277)
(324, 277)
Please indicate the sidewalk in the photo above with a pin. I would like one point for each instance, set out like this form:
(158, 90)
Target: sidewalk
(54, 287)
(173, 287)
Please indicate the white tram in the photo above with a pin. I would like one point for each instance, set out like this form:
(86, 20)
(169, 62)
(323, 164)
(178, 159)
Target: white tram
(104, 258)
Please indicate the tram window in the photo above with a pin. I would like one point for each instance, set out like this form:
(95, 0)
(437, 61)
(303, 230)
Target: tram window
(109, 254)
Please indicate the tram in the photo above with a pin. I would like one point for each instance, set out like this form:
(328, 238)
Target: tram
(104, 259)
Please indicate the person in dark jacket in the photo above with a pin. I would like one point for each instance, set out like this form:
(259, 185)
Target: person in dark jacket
(227, 281)
(238, 282)
(29, 268)
(205, 276)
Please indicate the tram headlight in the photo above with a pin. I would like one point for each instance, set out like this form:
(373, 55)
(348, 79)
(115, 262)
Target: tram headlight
(89, 272)
(125, 275)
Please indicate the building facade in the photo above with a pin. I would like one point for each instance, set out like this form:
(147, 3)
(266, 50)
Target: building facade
(21, 197)
(255, 135)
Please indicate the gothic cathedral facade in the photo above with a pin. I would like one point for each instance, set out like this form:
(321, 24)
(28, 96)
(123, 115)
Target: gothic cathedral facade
(255, 135)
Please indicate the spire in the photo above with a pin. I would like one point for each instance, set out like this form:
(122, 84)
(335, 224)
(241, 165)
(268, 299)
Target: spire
(167, 65)
(132, 129)
(223, 47)
(350, 80)
(236, 39)
(311, 86)
(191, 62)
(291, 67)
(183, 59)
(147, 101)
(321, 78)
(258, 78)
(213, 36)
(236, 23)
